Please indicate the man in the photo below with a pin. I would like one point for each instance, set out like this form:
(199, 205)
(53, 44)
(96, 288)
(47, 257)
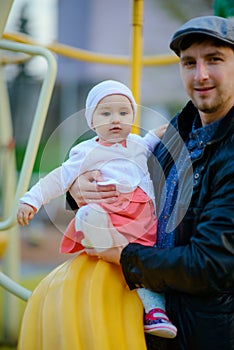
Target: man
(193, 260)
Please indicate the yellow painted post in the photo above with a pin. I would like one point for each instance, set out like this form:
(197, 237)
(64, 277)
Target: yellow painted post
(5, 7)
(136, 69)
(11, 262)
(8, 186)
(38, 122)
(11, 193)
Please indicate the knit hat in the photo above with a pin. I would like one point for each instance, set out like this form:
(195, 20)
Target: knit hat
(103, 89)
(213, 26)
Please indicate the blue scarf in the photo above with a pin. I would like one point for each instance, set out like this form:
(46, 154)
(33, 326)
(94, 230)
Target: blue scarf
(195, 144)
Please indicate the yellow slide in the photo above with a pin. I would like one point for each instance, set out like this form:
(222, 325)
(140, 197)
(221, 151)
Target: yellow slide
(84, 304)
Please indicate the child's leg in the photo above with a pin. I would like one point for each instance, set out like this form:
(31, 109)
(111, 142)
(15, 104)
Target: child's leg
(95, 224)
(156, 320)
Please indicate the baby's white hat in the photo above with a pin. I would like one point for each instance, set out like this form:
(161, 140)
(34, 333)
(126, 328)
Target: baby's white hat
(103, 89)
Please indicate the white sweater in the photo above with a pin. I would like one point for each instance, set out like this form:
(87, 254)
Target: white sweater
(124, 166)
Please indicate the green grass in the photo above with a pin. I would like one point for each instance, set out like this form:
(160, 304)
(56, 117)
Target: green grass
(52, 156)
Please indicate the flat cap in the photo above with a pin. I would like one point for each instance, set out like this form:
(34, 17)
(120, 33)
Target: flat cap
(214, 26)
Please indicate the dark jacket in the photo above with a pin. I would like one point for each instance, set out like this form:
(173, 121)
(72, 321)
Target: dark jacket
(197, 274)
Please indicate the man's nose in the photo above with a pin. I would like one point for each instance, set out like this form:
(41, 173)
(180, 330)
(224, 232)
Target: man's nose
(201, 72)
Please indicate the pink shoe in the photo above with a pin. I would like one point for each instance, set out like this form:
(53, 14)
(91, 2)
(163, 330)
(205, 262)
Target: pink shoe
(157, 323)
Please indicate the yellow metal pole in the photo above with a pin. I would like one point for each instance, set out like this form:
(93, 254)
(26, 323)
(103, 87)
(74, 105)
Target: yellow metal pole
(136, 69)
(38, 121)
(72, 52)
(5, 7)
(11, 262)
(11, 259)
(8, 181)
(89, 56)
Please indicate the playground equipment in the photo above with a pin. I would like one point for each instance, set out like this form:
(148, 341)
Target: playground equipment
(12, 193)
(83, 304)
(84, 301)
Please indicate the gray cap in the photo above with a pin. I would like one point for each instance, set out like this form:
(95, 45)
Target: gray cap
(214, 26)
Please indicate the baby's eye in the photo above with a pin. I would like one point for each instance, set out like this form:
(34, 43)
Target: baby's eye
(123, 113)
(106, 114)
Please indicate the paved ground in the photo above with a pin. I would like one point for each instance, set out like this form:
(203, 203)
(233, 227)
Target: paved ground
(40, 250)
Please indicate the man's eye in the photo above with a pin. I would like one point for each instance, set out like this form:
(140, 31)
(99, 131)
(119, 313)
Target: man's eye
(189, 63)
(215, 59)
(123, 113)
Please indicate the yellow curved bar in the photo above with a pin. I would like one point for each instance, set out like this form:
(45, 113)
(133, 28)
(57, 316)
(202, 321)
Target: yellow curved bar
(160, 60)
(4, 60)
(83, 304)
(84, 55)
(72, 52)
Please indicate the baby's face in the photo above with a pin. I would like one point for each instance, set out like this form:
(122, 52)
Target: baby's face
(113, 118)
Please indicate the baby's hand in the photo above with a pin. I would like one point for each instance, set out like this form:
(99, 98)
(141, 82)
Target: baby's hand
(160, 131)
(25, 213)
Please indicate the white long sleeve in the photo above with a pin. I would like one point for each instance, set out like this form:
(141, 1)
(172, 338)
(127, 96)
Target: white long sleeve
(123, 164)
(45, 189)
(151, 140)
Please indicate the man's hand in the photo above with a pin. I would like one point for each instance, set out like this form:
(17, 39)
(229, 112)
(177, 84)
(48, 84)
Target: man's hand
(85, 189)
(112, 254)
(160, 131)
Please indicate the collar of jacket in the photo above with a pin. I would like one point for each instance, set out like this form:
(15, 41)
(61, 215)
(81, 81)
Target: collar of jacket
(187, 115)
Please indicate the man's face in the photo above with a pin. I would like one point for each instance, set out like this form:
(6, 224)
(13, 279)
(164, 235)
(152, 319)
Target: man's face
(207, 73)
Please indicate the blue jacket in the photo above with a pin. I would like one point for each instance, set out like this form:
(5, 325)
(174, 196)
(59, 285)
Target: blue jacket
(197, 274)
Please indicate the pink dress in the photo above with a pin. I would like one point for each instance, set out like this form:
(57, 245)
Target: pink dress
(132, 214)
